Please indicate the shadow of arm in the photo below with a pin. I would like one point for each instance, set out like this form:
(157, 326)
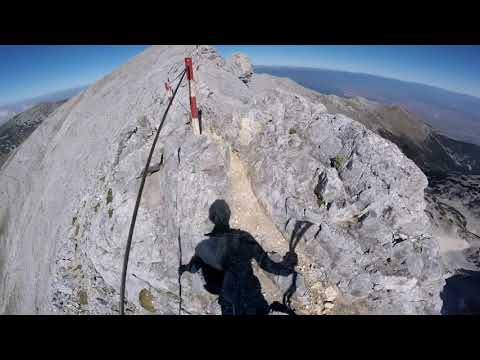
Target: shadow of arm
(283, 268)
(193, 266)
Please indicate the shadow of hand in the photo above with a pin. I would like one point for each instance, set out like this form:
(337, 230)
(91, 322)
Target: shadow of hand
(290, 259)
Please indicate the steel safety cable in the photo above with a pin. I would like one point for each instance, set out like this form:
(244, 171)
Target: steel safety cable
(139, 196)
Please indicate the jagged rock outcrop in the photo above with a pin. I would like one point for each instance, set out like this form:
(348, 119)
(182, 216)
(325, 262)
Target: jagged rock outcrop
(269, 148)
(240, 65)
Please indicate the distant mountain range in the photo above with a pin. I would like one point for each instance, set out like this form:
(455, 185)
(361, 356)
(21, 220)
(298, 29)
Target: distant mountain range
(452, 114)
(7, 111)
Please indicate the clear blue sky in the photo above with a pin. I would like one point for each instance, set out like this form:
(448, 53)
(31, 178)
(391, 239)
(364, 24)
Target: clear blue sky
(30, 71)
(455, 68)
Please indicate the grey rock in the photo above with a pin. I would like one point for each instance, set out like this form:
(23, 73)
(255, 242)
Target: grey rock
(241, 66)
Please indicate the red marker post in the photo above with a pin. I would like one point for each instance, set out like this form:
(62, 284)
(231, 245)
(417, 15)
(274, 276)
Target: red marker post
(193, 99)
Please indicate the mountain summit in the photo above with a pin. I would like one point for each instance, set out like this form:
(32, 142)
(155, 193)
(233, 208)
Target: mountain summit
(289, 171)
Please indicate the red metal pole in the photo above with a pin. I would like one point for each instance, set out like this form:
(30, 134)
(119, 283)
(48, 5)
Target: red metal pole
(193, 99)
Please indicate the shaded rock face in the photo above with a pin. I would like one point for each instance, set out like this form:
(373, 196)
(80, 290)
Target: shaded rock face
(466, 156)
(18, 128)
(353, 201)
(461, 294)
(453, 208)
(461, 192)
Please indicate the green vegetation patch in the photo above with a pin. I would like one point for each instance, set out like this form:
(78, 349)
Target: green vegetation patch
(292, 131)
(145, 298)
(83, 297)
(338, 161)
(321, 202)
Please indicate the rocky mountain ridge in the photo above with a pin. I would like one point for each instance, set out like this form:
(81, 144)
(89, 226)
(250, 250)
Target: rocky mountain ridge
(67, 197)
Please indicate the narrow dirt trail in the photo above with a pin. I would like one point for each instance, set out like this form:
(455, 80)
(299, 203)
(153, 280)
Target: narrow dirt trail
(247, 213)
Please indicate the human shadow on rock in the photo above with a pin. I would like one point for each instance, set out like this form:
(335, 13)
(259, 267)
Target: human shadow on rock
(225, 260)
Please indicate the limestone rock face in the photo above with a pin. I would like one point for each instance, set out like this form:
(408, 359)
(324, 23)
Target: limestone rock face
(286, 167)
